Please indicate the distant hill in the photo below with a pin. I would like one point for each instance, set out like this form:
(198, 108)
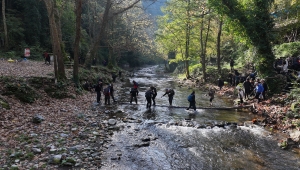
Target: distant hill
(153, 7)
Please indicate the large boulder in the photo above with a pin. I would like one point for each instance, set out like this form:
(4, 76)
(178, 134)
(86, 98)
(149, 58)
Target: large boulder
(295, 135)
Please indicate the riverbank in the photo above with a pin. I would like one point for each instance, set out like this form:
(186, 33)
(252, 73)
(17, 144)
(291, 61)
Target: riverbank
(47, 132)
(274, 113)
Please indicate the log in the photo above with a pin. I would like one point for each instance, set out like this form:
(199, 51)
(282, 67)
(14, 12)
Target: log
(197, 107)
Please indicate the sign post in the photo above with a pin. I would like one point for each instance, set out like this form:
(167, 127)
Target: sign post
(27, 52)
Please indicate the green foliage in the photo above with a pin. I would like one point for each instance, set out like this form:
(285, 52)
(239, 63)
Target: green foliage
(195, 68)
(15, 30)
(29, 156)
(4, 103)
(22, 91)
(287, 49)
(58, 91)
(253, 21)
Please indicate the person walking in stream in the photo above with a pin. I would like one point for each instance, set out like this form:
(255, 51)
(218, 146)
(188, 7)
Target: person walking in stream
(170, 93)
(136, 86)
(191, 99)
(106, 93)
(154, 94)
(112, 92)
(98, 90)
(148, 96)
(211, 94)
(133, 94)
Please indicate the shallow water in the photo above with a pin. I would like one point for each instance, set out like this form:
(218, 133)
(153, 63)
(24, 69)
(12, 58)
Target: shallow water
(188, 147)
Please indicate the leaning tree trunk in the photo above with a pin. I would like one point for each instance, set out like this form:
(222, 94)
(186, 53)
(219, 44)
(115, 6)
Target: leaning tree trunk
(4, 24)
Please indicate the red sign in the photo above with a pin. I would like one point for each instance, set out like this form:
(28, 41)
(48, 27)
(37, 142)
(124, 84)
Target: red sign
(27, 52)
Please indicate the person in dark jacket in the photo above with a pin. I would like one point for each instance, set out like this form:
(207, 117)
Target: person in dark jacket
(154, 94)
(136, 86)
(98, 89)
(148, 96)
(112, 92)
(47, 57)
(133, 94)
(114, 76)
(220, 83)
(192, 101)
(211, 94)
(120, 73)
(106, 93)
(265, 86)
(247, 86)
(231, 64)
(170, 93)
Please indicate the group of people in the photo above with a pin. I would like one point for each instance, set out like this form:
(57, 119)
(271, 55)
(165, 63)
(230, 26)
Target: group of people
(108, 92)
(151, 94)
(256, 88)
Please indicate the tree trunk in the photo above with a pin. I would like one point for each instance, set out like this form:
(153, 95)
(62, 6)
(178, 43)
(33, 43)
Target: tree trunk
(56, 43)
(187, 42)
(77, 39)
(204, 45)
(219, 46)
(95, 44)
(4, 25)
(202, 54)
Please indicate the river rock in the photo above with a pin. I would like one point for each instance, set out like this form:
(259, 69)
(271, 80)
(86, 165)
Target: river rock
(55, 159)
(36, 150)
(37, 119)
(295, 135)
(112, 121)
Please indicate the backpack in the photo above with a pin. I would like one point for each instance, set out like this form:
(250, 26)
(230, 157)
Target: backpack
(106, 91)
(190, 98)
(172, 92)
(148, 94)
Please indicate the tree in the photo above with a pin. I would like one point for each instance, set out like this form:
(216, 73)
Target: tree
(252, 19)
(107, 15)
(4, 24)
(78, 12)
(177, 31)
(57, 45)
(219, 46)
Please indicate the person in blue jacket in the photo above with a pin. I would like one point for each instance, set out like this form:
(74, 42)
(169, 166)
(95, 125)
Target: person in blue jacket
(259, 90)
(191, 99)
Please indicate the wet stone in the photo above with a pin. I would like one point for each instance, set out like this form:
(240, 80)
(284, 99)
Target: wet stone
(37, 119)
(36, 150)
(144, 144)
(147, 139)
(56, 159)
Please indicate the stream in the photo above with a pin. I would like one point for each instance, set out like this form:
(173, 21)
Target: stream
(165, 138)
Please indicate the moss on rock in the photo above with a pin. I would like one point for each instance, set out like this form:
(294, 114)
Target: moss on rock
(4, 104)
